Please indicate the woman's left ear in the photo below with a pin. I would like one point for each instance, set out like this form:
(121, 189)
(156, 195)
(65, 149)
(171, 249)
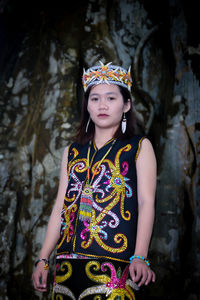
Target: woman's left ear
(127, 106)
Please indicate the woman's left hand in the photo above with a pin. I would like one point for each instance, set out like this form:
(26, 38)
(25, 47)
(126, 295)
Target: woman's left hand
(141, 273)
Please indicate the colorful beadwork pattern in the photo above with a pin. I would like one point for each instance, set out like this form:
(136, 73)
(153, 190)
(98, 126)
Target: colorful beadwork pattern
(108, 74)
(66, 268)
(79, 279)
(111, 231)
(85, 212)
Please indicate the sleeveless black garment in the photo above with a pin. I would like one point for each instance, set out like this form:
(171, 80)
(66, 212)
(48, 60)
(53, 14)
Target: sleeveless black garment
(112, 231)
(109, 239)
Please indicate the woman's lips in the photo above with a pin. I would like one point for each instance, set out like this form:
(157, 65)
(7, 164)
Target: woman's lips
(102, 115)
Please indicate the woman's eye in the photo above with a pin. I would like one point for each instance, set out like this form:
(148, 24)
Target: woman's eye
(94, 99)
(111, 98)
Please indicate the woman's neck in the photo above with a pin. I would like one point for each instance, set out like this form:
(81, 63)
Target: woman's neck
(102, 136)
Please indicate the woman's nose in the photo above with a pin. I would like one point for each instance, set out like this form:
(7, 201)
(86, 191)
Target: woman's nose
(103, 104)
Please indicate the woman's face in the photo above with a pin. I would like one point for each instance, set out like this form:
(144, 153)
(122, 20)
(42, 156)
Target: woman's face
(106, 106)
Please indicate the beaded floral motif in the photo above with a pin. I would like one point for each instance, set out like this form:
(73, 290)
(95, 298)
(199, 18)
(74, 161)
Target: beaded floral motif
(110, 189)
(112, 286)
(63, 291)
(68, 212)
(119, 189)
(67, 227)
(95, 232)
(64, 267)
(110, 280)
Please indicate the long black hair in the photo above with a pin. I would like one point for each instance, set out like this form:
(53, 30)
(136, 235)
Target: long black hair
(82, 137)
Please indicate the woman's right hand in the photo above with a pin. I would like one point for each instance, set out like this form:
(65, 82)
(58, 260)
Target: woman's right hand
(39, 277)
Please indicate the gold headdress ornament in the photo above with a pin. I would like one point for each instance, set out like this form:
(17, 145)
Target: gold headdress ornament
(106, 74)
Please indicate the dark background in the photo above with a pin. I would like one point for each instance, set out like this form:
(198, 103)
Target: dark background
(43, 49)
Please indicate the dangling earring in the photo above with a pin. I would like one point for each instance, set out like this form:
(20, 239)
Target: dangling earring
(88, 123)
(124, 121)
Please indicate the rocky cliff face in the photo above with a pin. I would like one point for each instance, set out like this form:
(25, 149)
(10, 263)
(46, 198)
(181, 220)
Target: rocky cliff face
(44, 48)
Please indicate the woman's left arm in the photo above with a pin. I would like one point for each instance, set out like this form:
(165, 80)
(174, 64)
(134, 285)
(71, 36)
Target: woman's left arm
(146, 187)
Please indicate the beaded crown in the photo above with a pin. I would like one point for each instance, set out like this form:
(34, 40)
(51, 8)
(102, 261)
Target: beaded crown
(109, 74)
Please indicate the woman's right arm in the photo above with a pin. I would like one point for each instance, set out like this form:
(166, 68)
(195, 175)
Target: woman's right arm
(53, 230)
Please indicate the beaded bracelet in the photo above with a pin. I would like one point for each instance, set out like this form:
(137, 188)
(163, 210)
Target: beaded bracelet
(147, 262)
(46, 261)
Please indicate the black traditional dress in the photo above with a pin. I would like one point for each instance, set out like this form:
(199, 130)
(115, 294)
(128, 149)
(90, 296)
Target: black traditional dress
(93, 256)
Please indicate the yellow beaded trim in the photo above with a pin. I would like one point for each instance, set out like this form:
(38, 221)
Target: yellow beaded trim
(103, 256)
(139, 146)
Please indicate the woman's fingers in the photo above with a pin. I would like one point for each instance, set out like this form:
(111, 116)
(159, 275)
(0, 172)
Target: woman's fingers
(40, 279)
(143, 277)
(138, 275)
(141, 273)
(44, 279)
(153, 276)
(133, 272)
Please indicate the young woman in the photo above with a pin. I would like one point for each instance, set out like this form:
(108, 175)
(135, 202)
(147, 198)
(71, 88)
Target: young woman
(103, 216)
